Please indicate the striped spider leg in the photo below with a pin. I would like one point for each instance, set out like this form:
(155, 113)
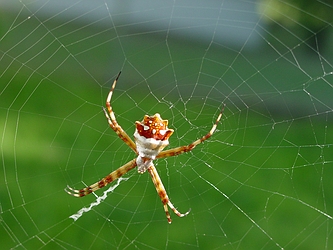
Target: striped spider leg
(151, 137)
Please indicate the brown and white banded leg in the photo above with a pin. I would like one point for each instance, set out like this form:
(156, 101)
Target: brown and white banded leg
(163, 194)
(183, 149)
(112, 119)
(103, 182)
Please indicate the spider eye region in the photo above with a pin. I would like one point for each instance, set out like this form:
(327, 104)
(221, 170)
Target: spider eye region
(154, 127)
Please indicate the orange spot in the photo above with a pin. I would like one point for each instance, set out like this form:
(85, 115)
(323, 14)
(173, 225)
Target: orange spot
(101, 184)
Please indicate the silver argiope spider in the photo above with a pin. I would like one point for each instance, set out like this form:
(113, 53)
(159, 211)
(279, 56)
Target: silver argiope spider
(151, 137)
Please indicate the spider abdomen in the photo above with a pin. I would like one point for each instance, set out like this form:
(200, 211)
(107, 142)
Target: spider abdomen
(154, 127)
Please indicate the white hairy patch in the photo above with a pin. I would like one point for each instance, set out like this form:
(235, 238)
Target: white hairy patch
(149, 147)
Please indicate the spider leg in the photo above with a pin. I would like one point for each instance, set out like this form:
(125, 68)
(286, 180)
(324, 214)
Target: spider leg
(103, 182)
(112, 119)
(183, 149)
(163, 194)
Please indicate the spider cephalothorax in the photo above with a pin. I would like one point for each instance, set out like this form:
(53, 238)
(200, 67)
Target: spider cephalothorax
(151, 137)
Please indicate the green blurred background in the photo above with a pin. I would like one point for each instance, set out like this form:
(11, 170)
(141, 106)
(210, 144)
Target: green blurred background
(261, 182)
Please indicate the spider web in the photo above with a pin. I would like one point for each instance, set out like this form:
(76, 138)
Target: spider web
(262, 181)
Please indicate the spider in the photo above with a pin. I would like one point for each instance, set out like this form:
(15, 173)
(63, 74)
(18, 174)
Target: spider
(151, 137)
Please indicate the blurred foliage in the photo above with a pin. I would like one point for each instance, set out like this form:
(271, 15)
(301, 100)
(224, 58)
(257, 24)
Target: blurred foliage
(311, 19)
(312, 14)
